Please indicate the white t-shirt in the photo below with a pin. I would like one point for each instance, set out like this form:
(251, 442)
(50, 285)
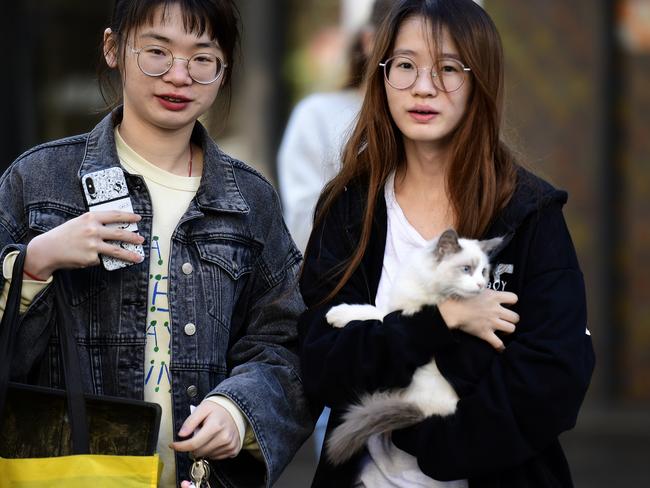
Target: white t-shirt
(386, 465)
(310, 154)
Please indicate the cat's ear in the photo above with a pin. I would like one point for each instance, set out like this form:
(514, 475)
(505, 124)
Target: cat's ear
(447, 244)
(489, 245)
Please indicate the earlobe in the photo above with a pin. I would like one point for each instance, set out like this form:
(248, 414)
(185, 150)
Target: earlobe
(110, 48)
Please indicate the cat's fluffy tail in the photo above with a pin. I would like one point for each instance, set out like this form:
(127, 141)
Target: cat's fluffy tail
(378, 413)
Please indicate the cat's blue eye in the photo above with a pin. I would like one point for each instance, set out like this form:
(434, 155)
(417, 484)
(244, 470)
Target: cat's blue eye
(467, 269)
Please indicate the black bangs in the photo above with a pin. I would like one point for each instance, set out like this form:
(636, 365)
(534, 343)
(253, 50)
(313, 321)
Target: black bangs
(218, 18)
(195, 15)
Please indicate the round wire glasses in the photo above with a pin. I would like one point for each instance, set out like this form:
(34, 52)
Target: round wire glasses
(447, 74)
(204, 68)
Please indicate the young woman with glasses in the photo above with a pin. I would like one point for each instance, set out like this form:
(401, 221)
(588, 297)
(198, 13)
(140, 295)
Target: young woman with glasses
(426, 155)
(207, 318)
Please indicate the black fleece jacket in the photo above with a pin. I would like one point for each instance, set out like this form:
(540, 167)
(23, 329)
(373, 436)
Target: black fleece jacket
(513, 405)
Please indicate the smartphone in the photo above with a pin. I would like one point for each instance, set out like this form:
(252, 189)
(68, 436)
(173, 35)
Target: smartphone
(106, 190)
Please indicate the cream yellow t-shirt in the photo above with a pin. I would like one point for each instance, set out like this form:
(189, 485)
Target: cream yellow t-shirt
(29, 290)
(170, 196)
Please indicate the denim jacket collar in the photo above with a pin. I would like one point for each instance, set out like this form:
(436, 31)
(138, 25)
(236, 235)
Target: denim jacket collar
(225, 196)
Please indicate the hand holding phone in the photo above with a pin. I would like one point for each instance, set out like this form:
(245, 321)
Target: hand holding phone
(107, 190)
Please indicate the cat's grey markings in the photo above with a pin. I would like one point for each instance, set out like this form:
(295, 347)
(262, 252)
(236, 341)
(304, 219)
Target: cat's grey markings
(447, 267)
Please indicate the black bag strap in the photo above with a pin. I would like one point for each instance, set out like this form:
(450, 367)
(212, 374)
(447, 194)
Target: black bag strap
(71, 366)
(71, 369)
(9, 324)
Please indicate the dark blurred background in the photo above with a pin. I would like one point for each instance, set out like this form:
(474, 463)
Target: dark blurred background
(578, 113)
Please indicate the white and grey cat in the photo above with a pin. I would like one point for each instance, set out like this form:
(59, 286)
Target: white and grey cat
(448, 267)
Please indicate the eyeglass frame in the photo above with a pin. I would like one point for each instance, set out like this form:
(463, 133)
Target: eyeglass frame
(137, 52)
(433, 73)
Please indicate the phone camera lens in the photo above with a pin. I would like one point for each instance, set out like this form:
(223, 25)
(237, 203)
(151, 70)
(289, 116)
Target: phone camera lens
(91, 187)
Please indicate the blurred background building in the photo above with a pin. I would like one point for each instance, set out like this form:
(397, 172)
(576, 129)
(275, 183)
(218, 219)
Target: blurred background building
(578, 113)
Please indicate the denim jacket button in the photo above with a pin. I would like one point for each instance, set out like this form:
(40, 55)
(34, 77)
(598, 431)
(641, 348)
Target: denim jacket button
(192, 391)
(187, 268)
(190, 329)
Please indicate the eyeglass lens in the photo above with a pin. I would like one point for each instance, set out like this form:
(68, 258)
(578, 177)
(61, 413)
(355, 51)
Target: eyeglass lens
(447, 75)
(157, 60)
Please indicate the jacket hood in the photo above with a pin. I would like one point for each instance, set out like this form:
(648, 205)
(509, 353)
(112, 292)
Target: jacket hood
(531, 195)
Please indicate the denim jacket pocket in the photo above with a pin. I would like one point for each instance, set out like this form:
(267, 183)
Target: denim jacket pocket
(85, 282)
(226, 265)
(43, 218)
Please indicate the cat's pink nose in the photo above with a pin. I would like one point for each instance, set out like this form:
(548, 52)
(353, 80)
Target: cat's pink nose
(481, 286)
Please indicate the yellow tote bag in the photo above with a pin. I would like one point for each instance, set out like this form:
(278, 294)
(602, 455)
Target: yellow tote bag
(60, 427)
(81, 471)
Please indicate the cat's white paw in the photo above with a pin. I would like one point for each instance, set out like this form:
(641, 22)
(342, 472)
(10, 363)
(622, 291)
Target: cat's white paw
(339, 316)
(442, 405)
(446, 406)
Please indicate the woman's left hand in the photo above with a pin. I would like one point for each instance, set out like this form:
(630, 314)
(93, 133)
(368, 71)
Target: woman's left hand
(215, 433)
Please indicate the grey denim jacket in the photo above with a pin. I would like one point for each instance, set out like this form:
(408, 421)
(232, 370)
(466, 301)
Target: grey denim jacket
(240, 292)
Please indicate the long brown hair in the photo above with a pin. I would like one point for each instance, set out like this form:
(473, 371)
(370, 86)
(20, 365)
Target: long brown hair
(482, 171)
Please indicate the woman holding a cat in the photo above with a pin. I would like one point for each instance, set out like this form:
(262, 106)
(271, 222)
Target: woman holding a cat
(426, 155)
